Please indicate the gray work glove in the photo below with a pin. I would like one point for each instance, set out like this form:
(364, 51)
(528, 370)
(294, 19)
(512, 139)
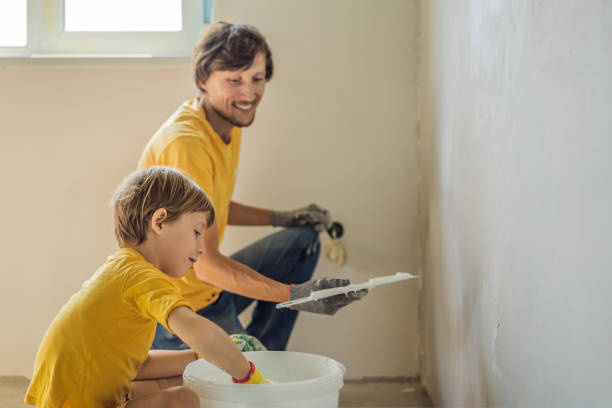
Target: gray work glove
(311, 215)
(328, 306)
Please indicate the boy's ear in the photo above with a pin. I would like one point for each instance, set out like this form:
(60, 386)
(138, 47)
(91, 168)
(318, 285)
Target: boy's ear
(202, 85)
(159, 216)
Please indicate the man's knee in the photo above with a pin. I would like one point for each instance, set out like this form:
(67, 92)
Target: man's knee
(306, 238)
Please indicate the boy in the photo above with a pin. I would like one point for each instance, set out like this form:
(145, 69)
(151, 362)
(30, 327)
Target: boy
(95, 353)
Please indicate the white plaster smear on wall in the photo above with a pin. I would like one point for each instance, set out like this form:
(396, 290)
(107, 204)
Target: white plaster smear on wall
(515, 151)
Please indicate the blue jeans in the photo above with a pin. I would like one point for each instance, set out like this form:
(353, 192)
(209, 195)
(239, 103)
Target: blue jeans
(287, 256)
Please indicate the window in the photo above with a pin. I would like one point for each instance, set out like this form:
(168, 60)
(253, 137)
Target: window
(119, 15)
(101, 28)
(13, 23)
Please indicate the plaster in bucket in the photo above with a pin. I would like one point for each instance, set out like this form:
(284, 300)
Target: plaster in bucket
(300, 380)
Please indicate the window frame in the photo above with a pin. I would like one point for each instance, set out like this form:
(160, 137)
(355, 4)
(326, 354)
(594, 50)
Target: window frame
(47, 38)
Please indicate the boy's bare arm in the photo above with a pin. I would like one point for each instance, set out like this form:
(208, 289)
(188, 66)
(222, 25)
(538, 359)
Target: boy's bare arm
(225, 273)
(165, 363)
(209, 341)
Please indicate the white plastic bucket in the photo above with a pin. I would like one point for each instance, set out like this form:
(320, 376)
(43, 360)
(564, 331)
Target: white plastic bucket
(300, 381)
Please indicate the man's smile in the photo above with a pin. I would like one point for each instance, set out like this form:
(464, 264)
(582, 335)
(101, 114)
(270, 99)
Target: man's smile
(244, 106)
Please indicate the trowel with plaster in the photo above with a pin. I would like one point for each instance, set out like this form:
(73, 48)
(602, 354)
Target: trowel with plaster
(369, 285)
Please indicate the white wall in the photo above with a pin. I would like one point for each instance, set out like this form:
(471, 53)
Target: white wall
(336, 126)
(515, 152)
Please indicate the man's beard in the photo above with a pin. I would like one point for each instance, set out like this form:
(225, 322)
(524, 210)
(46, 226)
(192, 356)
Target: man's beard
(232, 120)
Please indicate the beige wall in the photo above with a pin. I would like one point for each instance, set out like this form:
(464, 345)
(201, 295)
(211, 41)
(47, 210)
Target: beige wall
(515, 154)
(337, 127)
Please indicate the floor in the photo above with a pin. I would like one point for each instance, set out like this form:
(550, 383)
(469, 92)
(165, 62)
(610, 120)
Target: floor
(363, 393)
(12, 390)
(383, 393)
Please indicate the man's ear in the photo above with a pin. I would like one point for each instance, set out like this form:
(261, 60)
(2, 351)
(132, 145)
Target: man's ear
(202, 85)
(159, 216)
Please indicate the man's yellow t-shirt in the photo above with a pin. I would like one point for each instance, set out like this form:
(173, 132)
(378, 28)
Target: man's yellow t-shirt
(100, 338)
(187, 141)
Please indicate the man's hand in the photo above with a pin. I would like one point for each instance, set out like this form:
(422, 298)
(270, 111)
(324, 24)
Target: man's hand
(328, 306)
(311, 215)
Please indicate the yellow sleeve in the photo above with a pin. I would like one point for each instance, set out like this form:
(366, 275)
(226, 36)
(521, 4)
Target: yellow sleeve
(189, 154)
(153, 295)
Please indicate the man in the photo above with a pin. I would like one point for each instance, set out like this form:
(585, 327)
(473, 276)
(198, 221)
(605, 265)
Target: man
(232, 64)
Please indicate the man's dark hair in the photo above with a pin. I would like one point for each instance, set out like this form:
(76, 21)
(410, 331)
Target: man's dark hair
(228, 47)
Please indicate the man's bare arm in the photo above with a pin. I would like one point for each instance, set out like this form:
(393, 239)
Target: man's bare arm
(240, 214)
(227, 274)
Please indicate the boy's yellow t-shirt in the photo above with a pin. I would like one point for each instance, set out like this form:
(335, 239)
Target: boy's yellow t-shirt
(100, 338)
(187, 141)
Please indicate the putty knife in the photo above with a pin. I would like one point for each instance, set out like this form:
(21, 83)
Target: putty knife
(325, 293)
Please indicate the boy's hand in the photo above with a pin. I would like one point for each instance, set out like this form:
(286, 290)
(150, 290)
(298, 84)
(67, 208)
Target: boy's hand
(255, 377)
(328, 306)
(244, 342)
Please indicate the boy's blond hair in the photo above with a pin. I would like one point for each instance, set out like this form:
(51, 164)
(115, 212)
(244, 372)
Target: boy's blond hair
(146, 190)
